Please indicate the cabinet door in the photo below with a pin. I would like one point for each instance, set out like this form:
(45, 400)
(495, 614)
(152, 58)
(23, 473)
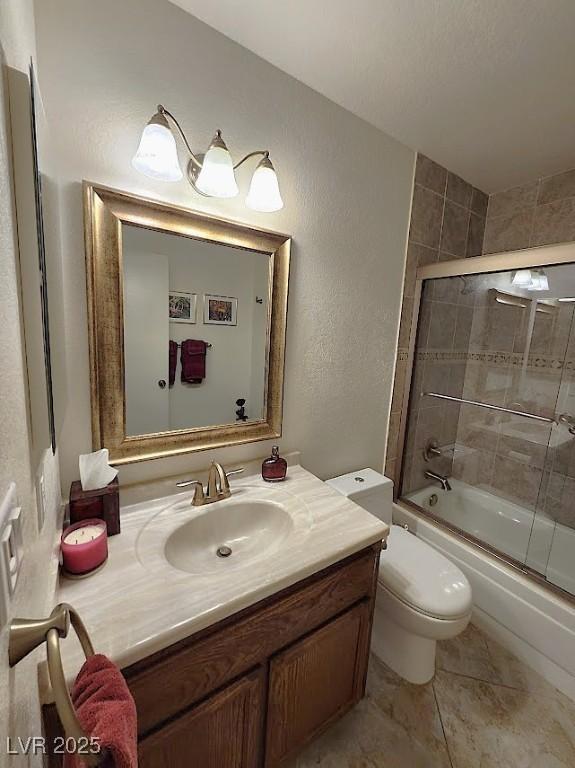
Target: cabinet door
(315, 681)
(222, 732)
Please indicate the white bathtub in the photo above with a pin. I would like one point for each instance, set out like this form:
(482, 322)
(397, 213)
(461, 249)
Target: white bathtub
(533, 622)
(535, 540)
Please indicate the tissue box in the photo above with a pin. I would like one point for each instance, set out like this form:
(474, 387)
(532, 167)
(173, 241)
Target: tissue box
(103, 503)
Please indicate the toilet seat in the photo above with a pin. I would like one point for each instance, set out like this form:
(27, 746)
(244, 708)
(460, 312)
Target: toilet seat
(422, 578)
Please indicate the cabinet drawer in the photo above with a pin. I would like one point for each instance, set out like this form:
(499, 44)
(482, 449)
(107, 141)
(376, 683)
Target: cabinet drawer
(222, 732)
(184, 674)
(316, 681)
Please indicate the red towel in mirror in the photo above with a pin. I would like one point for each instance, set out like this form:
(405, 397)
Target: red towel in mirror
(173, 362)
(107, 712)
(193, 357)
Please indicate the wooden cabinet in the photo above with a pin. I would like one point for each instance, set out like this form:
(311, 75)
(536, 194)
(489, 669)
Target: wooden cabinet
(315, 681)
(251, 690)
(222, 732)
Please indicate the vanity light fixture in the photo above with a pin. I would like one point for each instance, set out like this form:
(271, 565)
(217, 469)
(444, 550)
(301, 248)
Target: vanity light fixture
(212, 174)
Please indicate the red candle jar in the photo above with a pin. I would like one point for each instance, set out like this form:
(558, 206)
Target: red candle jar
(84, 546)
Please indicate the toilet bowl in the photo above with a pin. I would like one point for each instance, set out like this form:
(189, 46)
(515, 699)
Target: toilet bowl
(422, 597)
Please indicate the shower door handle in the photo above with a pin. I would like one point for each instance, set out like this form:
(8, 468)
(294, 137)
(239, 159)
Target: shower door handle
(568, 421)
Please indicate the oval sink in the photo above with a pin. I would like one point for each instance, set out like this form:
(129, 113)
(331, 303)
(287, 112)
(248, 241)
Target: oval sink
(228, 535)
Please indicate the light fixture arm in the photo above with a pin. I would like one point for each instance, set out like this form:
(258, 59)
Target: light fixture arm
(263, 152)
(195, 159)
(163, 111)
(211, 174)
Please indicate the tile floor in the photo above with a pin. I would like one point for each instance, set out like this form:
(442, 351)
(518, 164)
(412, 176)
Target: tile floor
(483, 709)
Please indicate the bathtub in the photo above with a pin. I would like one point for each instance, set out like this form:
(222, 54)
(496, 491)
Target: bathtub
(535, 540)
(533, 622)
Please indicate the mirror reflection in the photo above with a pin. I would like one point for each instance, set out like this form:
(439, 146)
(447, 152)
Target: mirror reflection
(196, 328)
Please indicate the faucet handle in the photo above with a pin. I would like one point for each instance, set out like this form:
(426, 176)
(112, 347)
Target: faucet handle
(199, 496)
(186, 483)
(225, 489)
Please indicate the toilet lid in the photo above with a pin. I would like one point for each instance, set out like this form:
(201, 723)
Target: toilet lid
(422, 577)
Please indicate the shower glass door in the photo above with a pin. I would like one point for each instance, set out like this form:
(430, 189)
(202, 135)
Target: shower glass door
(493, 370)
(552, 544)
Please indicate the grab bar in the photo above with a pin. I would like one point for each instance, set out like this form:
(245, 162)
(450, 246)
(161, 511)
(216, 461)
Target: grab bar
(533, 416)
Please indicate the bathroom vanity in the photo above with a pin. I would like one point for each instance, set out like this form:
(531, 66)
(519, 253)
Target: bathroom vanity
(235, 664)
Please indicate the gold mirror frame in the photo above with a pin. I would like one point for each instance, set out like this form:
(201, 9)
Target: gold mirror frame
(105, 210)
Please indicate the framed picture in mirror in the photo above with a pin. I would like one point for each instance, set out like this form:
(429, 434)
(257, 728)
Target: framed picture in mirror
(182, 307)
(220, 310)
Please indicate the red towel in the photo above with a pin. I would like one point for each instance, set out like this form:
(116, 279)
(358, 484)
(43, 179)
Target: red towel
(173, 362)
(107, 712)
(193, 357)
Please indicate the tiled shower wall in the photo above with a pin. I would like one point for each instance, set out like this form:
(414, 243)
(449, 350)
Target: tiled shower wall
(469, 346)
(447, 222)
(537, 470)
(539, 213)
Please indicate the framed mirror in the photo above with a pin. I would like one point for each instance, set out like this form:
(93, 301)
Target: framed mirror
(187, 323)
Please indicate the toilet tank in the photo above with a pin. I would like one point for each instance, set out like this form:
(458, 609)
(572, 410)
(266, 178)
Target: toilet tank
(369, 489)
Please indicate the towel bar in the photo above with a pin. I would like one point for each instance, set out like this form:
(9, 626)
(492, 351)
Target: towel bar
(28, 634)
(490, 407)
(208, 346)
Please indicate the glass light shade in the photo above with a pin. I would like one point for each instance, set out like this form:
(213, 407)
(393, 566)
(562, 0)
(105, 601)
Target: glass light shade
(157, 155)
(522, 278)
(264, 193)
(217, 178)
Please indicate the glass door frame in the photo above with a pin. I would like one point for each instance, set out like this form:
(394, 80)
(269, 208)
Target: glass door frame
(542, 256)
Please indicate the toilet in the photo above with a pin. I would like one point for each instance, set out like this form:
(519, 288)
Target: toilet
(422, 597)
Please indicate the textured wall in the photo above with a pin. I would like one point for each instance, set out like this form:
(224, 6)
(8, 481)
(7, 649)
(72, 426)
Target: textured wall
(19, 710)
(346, 188)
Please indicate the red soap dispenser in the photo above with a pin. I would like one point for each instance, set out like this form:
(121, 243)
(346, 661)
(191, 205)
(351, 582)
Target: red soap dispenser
(274, 468)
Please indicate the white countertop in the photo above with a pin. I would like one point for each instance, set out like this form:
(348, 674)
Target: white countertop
(139, 604)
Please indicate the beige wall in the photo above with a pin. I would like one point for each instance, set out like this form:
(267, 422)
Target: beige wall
(19, 711)
(346, 186)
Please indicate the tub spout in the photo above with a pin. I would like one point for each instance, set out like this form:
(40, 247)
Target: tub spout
(441, 479)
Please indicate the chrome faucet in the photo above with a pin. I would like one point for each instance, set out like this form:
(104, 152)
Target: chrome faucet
(441, 479)
(218, 485)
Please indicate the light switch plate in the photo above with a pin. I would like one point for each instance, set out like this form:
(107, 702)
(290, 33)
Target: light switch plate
(11, 549)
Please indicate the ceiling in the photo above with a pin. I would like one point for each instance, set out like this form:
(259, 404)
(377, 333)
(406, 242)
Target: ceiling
(484, 87)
